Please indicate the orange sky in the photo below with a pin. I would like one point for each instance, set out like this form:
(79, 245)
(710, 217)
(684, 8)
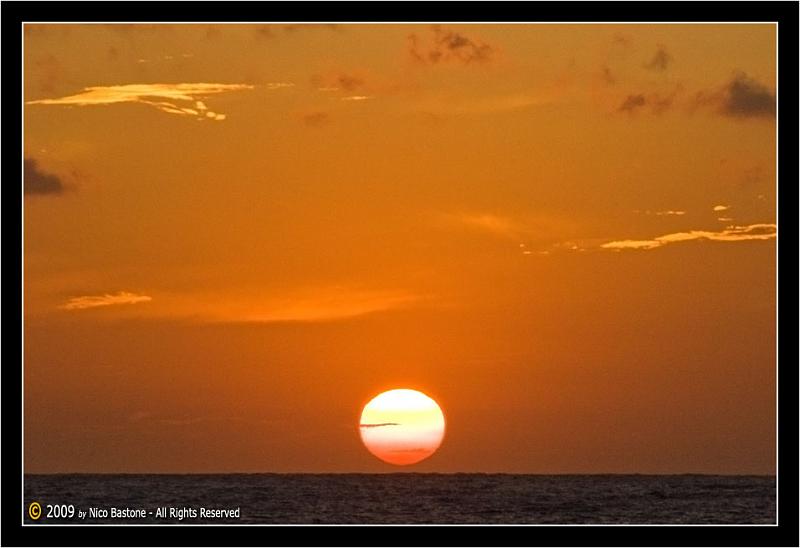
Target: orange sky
(237, 235)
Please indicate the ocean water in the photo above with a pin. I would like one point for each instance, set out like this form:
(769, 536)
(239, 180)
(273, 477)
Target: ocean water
(404, 498)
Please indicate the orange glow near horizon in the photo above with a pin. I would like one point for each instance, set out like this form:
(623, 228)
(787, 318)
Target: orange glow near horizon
(402, 426)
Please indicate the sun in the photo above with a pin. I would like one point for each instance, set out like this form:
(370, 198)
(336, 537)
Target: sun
(402, 426)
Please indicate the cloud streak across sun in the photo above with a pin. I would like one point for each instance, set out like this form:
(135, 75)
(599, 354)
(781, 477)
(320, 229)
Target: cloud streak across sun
(178, 99)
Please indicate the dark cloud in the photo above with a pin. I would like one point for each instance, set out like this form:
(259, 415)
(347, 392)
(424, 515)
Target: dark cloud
(741, 97)
(446, 45)
(316, 119)
(660, 61)
(632, 102)
(379, 424)
(40, 182)
(745, 97)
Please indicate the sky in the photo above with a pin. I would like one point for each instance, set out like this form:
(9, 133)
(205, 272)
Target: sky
(235, 236)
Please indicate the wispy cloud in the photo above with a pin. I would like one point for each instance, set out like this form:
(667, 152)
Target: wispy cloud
(656, 103)
(484, 222)
(661, 213)
(762, 231)
(36, 181)
(278, 85)
(179, 99)
(447, 105)
(254, 305)
(357, 98)
(525, 230)
(446, 45)
(310, 304)
(721, 208)
(321, 305)
(94, 301)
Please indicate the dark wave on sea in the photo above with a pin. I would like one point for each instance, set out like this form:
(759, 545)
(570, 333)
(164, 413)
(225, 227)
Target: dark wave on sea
(409, 498)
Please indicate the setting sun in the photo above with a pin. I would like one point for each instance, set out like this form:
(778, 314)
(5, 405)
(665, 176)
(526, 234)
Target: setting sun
(402, 426)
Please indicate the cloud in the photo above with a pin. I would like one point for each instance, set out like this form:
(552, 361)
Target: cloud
(356, 98)
(660, 61)
(94, 301)
(721, 208)
(658, 103)
(446, 46)
(733, 233)
(278, 85)
(632, 102)
(257, 305)
(379, 424)
(485, 222)
(36, 181)
(522, 230)
(741, 97)
(670, 212)
(320, 304)
(747, 97)
(179, 99)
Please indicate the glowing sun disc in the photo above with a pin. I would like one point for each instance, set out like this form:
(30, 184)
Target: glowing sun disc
(402, 426)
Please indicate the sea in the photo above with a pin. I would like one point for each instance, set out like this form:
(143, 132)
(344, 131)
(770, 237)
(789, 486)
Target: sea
(401, 498)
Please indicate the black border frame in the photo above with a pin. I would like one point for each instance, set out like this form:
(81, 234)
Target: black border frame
(786, 13)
